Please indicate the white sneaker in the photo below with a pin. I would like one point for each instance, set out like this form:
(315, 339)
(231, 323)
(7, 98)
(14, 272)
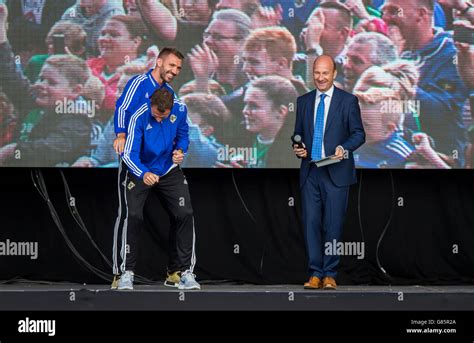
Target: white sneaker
(188, 281)
(126, 281)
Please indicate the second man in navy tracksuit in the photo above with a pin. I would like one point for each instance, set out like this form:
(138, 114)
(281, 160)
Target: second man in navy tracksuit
(157, 140)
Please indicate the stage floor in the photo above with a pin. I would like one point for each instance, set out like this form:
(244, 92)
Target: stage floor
(73, 297)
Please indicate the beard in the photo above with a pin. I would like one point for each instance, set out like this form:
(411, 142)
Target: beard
(167, 74)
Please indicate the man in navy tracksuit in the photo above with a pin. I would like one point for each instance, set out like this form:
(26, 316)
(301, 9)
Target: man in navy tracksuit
(136, 93)
(157, 139)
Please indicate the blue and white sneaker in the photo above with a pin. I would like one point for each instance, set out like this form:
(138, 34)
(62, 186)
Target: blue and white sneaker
(126, 281)
(188, 281)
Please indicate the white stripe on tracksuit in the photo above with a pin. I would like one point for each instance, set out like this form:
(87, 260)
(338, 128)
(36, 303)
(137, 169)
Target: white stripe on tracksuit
(193, 254)
(400, 148)
(128, 99)
(117, 223)
(123, 251)
(129, 142)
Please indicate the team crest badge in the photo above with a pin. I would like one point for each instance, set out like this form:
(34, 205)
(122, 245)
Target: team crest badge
(172, 118)
(130, 185)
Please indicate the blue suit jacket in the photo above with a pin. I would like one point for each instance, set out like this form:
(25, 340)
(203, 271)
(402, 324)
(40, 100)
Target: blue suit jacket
(343, 127)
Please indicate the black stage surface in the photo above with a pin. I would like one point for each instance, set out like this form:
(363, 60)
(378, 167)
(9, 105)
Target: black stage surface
(73, 297)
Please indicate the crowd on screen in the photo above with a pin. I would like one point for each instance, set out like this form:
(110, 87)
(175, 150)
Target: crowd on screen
(63, 65)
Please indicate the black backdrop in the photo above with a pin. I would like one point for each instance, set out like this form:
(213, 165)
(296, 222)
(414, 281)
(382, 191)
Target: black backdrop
(428, 240)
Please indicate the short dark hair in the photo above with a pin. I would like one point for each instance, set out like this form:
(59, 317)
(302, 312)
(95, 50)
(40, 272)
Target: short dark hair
(169, 50)
(163, 99)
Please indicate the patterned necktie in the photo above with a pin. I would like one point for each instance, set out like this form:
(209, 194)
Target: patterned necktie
(317, 149)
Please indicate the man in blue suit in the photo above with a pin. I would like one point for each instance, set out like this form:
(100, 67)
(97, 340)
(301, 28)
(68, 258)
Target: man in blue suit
(329, 122)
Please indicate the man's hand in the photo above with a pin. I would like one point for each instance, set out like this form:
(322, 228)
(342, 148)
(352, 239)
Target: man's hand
(266, 16)
(151, 56)
(178, 156)
(339, 154)
(423, 147)
(150, 179)
(357, 8)
(203, 61)
(421, 142)
(300, 152)
(119, 143)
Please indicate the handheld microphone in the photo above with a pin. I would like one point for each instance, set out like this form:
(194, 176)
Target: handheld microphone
(298, 141)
